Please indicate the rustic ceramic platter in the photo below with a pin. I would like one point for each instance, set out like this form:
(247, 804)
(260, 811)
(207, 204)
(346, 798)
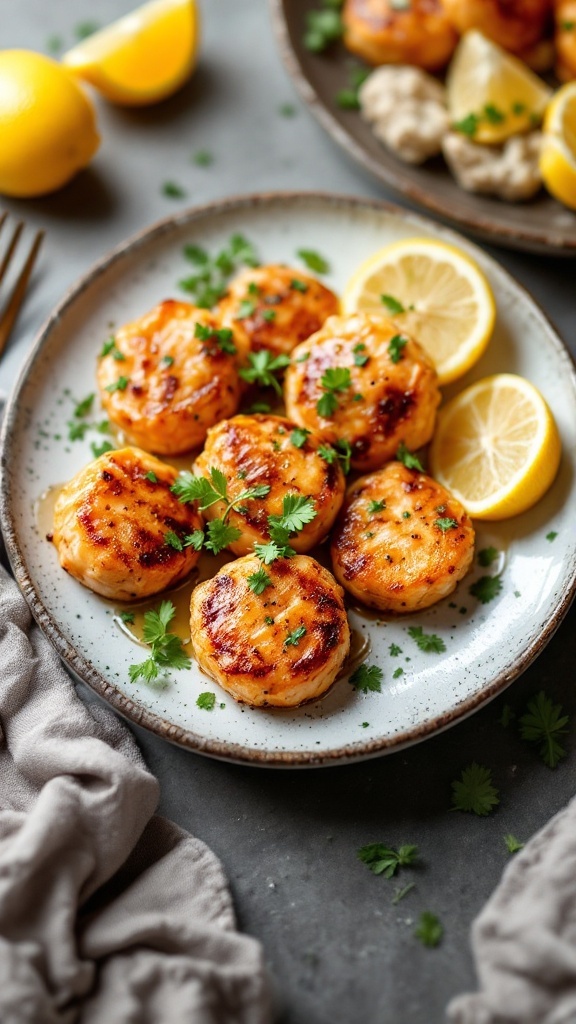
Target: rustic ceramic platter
(487, 646)
(541, 225)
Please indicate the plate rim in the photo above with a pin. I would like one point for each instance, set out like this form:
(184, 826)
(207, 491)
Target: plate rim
(528, 241)
(80, 665)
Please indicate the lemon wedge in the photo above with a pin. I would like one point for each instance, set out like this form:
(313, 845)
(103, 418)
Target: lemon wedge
(491, 94)
(435, 293)
(558, 154)
(496, 447)
(143, 57)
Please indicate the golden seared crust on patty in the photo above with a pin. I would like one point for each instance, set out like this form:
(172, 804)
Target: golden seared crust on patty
(384, 32)
(111, 522)
(273, 307)
(515, 25)
(280, 648)
(271, 450)
(402, 541)
(392, 396)
(169, 377)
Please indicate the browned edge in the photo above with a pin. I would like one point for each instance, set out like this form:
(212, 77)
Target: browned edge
(531, 240)
(85, 671)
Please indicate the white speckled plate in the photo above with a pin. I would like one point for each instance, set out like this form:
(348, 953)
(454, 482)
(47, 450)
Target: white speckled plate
(487, 646)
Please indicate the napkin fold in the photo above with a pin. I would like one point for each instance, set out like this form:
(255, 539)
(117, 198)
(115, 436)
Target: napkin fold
(524, 939)
(107, 912)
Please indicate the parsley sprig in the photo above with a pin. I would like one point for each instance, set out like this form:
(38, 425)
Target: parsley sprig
(297, 511)
(189, 487)
(426, 641)
(166, 649)
(263, 366)
(333, 381)
(543, 723)
(208, 283)
(474, 791)
(222, 337)
(366, 678)
(384, 860)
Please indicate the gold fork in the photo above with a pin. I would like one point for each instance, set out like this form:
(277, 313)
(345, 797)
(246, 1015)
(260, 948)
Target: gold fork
(12, 308)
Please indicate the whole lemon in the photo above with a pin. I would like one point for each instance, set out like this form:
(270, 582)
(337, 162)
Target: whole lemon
(47, 125)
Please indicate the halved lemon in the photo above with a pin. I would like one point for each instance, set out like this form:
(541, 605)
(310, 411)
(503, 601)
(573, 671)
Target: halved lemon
(491, 94)
(435, 293)
(558, 153)
(496, 447)
(142, 58)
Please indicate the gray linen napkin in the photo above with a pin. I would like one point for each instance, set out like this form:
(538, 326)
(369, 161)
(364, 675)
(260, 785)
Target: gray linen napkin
(108, 914)
(524, 939)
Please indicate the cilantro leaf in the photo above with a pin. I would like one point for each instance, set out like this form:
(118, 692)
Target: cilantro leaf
(474, 791)
(366, 678)
(258, 581)
(294, 638)
(188, 487)
(298, 437)
(445, 524)
(194, 540)
(360, 356)
(429, 930)
(151, 476)
(118, 385)
(173, 540)
(394, 650)
(206, 701)
(297, 510)
(101, 449)
(334, 380)
(344, 449)
(84, 407)
(542, 723)
(376, 506)
(383, 860)
(426, 641)
(220, 535)
(486, 588)
(407, 458)
(268, 553)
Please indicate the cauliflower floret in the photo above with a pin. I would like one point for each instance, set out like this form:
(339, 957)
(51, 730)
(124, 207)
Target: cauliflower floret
(407, 110)
(510, 171)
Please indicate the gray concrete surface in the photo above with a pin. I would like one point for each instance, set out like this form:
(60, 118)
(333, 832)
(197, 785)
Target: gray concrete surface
(340, 951)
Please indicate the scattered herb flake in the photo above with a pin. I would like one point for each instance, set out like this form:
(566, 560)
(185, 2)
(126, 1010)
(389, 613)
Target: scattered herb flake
(426, 641)
(401, 892)
(487, 555)
(258, 581)
(408, 459)
(299, 286)
(151, 476)
(542, 723)
(314, 261)
(384, 860)
(203, 158)
(85, 406)
(467, 126)
(445, 524)
(172, 190)
(294, 638)
(334, 380)
(397, 673)
(551, 536)
(101, 449)
(376, 506)
(513, 844)
(173, 540)
(392, 304)
(394, 650)
(287, 110)
(206, 701)
(118, 385)
(366, 678)
(396, 347)
(127, 617)
(166, 649)
(486, 588)
(263, 365)
(322, 28)
(360, 357)
(474, 791)
(298, 437)
(429, 930)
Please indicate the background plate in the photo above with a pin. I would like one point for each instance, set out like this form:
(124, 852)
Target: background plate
(541, 225)
(486, 646)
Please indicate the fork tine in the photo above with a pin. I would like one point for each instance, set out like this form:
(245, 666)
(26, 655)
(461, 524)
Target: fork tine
(11, 247)
(8, 316)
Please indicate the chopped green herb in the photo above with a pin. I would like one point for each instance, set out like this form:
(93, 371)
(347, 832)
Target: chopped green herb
(287, 110)
(85, 406)
(400, 893)
(85, 29)
(322, 28)
(365, 725)
(269, 620)
(344, 450)
(167, 361)
(206, 701)
(194, 540)
(360, 357)
(172, 190)
(109, 348)
(518, 109)
(263, 365)
(486, 588)
(259, 407)
(269, 315)
(246, 309)
(367, 677)
(426, 641)
(474, 791)
(223, 337)
(506, 716)
(446, 524)
(101, 449)
(408, 459)
(294, 638)
(314, 261)
(406, 515)
(568, 26)
(397, 673)
(77, 431)
(297, 510)
(493, 114)
(173, 540)
(151, 476)
(166, 649)
(395, 650)
(333, 380)
(119, 385)
(396, 347)
(429, 930)
(383, 860)
(203, 158)
(348, 99)
(467, 126)
(392, 304)
(299, 286)
(551, 536)
(127, 617)
(486, 556)
(376, 506)
(513, 844)
(54, 45)
(298, 437)
(208, 284)
(258, 581)
(543, 723)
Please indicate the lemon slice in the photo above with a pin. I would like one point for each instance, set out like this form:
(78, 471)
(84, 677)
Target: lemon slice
(496, 447)
(491, 94)
(558, 154)
(142, 58)
(445, 301)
